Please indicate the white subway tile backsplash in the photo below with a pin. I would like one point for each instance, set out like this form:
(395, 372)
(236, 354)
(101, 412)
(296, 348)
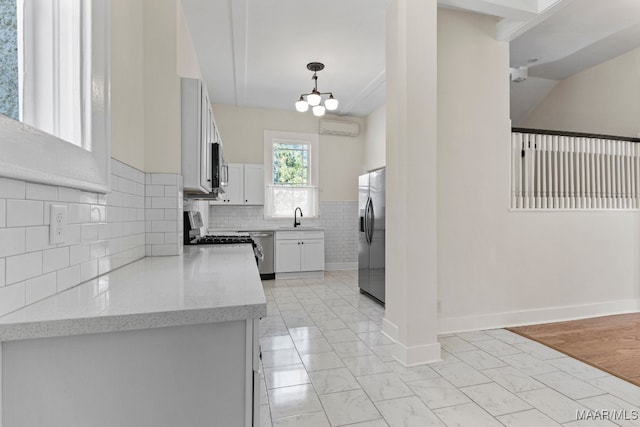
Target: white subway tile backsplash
(73, 234)
(37, 238)
(76, 196)
(155, 238)
(22, 213)
(12, 241)
(88, 270)
(171, 191)
(98, 249)
(164, 178)
(79, 213)
(163, 226)
(68, 278)
(79, 254)
(12, 189)
(40, 287)
(88, 232)
(155, 214)
(155, 191)
(22, 267)
(12, 297)
(3, 213)
(104, 231)
(41, 192)
(55, 259)
(98, 213)
(164, 202)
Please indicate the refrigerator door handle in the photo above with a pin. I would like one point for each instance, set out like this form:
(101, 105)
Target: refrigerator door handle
(370, 220)
(366, 221)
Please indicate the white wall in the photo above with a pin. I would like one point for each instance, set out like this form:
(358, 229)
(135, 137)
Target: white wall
(127, 88)
(151, 47)
(375, 138)
(161, 87)
(242, 133)
(497, 267)
(188, 65)
(604, 99)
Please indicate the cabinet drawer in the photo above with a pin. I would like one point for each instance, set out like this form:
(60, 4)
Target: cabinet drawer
(312, 235)
(288, 235)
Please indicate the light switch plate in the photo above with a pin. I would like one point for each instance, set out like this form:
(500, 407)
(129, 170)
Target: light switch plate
(58, 224)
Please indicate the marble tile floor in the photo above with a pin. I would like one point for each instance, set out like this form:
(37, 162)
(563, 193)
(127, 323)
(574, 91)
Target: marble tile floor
(325, 363)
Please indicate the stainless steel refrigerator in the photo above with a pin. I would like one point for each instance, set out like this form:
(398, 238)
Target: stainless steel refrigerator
(372, 234)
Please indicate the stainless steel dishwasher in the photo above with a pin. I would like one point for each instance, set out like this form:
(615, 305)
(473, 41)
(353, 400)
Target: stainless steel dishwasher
(264, 239)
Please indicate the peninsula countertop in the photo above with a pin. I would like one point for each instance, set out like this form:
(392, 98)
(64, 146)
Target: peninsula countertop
(206, 284)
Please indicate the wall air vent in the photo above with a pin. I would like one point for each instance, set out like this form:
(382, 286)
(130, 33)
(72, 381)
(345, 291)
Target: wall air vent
(338, 128)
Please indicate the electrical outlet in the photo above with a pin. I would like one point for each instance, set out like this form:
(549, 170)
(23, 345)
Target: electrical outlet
(58, 224)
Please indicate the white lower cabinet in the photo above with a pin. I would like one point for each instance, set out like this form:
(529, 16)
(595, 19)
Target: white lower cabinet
(158, 377)
(299, 251)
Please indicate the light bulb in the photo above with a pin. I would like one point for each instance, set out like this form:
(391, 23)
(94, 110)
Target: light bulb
(302, 105)
(331, 103)
(318, 110)
(314, 99)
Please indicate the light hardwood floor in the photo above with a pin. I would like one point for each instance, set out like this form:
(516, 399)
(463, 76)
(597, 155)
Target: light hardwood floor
(610, 343)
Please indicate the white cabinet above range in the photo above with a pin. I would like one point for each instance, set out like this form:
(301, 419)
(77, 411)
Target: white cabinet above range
(245, 187)
(199, 133)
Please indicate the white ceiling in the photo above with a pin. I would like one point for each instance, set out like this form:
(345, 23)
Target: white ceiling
(253, 53)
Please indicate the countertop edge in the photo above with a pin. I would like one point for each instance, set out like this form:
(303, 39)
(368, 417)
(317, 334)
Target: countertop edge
(129, 322)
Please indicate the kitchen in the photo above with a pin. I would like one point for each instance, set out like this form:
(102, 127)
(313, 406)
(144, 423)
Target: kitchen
(145, 90)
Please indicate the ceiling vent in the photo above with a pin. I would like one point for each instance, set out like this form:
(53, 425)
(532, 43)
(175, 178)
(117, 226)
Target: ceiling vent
(338, 128)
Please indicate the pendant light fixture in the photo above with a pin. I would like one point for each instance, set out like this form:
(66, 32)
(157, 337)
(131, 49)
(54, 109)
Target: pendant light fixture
(314, 98)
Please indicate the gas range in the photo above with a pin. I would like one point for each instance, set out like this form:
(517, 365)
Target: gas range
(223, 239)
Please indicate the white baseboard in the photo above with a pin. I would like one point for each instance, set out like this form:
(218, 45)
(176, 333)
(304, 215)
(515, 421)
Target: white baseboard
(389, 329)
(448, 325)
(300, 275)
(414, 355)
(329, 266)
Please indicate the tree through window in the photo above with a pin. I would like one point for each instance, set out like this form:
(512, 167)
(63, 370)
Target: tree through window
(290, 164)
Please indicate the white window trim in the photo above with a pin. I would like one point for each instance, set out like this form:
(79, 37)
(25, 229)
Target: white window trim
(29, 154)
(312, 139)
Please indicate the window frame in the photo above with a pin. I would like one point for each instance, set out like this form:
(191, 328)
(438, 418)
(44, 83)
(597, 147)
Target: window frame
(309, 139)
(32, 155)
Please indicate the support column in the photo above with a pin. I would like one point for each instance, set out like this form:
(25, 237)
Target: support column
(411, 116)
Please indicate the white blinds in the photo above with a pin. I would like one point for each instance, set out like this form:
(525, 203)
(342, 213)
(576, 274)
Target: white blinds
(281, 201)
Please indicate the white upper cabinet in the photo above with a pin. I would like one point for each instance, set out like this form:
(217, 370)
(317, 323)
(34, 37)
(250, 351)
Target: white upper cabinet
(245, 187)
(198, 133)
(253, 184)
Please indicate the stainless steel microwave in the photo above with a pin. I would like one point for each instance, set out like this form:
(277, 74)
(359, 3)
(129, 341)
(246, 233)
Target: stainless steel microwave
(220, 175)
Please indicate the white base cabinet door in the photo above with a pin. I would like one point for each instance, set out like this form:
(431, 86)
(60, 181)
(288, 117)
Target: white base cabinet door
(312, 255)
(287, 256)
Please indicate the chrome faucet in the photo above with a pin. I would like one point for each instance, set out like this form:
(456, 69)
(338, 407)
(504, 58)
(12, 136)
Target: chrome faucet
(295, 217)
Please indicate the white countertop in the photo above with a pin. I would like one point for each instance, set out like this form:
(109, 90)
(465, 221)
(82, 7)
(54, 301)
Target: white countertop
(208, 283)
